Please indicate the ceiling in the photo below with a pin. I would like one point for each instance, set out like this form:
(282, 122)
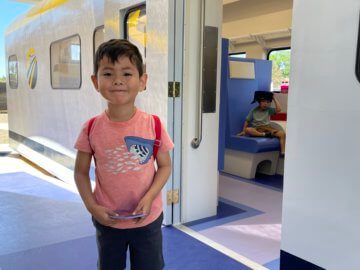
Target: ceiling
(243, 10)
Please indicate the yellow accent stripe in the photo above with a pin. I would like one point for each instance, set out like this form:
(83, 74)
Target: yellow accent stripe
(32, 14)
(45, 7)
(134, 34)
(32, 72)
(29, 53)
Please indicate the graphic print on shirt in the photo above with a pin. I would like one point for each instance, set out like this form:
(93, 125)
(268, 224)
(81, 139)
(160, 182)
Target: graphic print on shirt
(137, 152)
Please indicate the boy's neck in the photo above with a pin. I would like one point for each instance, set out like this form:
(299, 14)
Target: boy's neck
(121, 114)
(262, 108)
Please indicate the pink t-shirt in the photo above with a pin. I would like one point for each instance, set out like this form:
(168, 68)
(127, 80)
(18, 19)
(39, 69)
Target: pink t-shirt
(124, 162)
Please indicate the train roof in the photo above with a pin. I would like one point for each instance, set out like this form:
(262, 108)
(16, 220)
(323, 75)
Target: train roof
(40, 7)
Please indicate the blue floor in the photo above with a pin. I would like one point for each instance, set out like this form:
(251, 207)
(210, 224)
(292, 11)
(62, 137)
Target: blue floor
(273, 265)
(34, 213)
(26, 184)
(223, 210)
(184, 252)
(45, 227)
(227, 211)
(275, 181)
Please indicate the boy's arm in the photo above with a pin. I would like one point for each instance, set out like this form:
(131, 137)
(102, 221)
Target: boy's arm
(242, 133)
(161, 176)
(248, 119)
(82, 180)
(277, 105)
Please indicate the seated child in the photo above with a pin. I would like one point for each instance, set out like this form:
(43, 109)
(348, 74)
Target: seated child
(259, 118)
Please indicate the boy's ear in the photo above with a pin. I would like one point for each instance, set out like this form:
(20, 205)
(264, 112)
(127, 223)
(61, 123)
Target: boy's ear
(143, 81)
(94, 81)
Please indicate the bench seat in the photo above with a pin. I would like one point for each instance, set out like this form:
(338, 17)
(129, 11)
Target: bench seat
(253, 144)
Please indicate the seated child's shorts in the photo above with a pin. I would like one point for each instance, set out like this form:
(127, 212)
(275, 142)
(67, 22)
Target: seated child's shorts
(266, 129)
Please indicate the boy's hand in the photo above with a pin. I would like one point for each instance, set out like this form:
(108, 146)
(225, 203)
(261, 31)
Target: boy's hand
(143, 207)
(102, 215)
(242, 133)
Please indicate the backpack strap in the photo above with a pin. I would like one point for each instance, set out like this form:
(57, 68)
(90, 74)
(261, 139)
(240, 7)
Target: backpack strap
(90, 125)
(157, 142)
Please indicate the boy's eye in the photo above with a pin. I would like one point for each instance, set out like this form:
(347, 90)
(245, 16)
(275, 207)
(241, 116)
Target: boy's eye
(107, 74)
(127, 74)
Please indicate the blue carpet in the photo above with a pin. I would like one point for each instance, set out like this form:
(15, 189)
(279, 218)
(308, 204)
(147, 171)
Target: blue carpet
(181, 252)
(29, 222)
(273, 265)
(27, 184)
(223, 210)
(275, 181)
(45, 227)
(228, 211)
(78, 254)
(34, 213)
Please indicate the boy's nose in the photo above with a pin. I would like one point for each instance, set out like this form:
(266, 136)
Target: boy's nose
(118, 81)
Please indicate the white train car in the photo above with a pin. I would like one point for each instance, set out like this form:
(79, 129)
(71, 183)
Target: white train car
(49, 53)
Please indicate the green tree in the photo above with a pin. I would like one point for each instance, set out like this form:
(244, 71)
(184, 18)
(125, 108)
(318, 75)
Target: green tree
(2, 79)
(280, 66)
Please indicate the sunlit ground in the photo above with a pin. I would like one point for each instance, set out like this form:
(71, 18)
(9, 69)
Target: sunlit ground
(4, 134)
(267, 231)
(12, 162)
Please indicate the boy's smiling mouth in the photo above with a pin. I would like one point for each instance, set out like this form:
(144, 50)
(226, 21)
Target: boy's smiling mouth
(118, 91)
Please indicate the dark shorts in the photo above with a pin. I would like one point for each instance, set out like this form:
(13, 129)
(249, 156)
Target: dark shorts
(144, 244)
(266, 129)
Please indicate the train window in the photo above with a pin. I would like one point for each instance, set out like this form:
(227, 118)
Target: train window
(13, 71)
(280, 67)
(98, 37)
(238, 55)
(135, 28)
(65, 57)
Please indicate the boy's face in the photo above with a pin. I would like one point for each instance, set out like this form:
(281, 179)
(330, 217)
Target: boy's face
(119, 82)
(264, 104)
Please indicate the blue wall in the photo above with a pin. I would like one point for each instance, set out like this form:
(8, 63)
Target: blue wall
(240, 93)
(236, 96)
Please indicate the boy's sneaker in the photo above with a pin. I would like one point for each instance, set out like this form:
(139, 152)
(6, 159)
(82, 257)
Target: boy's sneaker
(268, 135)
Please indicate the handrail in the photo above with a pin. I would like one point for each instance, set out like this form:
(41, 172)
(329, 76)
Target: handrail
(357, 63)
(195, 143)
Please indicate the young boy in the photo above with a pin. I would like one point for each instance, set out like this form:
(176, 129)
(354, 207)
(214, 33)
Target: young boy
(259, 117)
(121, 140)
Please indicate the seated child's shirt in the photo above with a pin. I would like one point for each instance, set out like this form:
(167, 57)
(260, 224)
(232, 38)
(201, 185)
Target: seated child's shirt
(124, 162)
(258, 117)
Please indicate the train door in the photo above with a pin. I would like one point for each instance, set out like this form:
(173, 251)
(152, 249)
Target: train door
(171, 192)
(200, 103)
(193, 95)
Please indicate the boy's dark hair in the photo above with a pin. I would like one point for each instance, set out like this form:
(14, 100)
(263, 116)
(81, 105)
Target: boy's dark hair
(115, 48)
(262, 95)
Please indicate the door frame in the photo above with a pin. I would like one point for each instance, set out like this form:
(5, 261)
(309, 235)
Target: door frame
(172, 212)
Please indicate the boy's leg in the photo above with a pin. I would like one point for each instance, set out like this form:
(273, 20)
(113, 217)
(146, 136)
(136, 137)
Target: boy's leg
(146, 246)
(112, 246)
(281, 135)
(256, 132)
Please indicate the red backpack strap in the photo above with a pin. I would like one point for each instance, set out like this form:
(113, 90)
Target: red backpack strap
(157, 142)
(90, 125)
